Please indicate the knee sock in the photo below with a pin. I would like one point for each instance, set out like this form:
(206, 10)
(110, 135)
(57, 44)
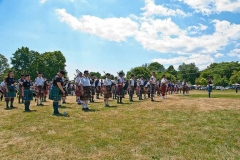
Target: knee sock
(11, 104)
(7, 102)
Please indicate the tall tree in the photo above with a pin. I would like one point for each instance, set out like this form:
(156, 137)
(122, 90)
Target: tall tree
(3, 66)
(138, 72)
(95, 74)
(50, 63)
(235, 78)
(25, 61)
(171, 70)
(189, 72)
(157, 67)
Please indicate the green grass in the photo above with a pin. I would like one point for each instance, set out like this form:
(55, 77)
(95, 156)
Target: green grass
(173, 129)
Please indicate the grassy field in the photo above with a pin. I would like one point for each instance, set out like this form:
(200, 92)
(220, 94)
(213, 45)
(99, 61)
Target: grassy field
(180, 127)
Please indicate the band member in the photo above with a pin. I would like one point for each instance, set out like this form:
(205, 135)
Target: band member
(20, 83)
(65, 88)
(39, 82)
(184, 87)
(92, 82)
(120, 84)
(163, 86)
(45, 89)
(141, 83)
(210, 84)
(56, 91)
(10, 91)
(27, 93)
(78, 88)
(107, 89)
(85, 89)
(114, 88)
(152, 85)
(98, 85)
(131, 88)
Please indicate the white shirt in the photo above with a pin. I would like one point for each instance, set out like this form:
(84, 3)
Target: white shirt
(107, 82)
(153, 80)
(141, 82)
(99, 83)
(131, 82)
(85, 81)
(148, 83)
(2, 84)
(120, 80)
(164, 81)
(39, 81)
(78, 80)
(184, 83)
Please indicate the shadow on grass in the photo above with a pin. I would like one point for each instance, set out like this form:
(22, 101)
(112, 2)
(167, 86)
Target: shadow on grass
(29, 111)
(91, 110)
(63, 107)
(111, 106)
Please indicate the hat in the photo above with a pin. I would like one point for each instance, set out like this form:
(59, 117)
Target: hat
(121, 72)
(62, 72)
(85, 71)
(108, 74)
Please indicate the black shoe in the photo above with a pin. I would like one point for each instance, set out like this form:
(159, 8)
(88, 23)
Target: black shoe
(121, 102)
(87, 109)
(7, 108)
(12, 107)
(64, 102)
(83, 109)
(41, 104)
(27, 110)
(56, 114)
(152, 100)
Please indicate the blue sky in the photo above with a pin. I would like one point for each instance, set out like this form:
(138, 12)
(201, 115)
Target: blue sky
(113, 35)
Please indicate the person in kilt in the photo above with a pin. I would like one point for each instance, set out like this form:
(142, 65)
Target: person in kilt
(131, 88)
(164, 82)
(39, 82)
(56, 91)
(2, 89)
(27, 93)
(107, 84)
(120, 88)
(86, 90)
(92, 82)
(20, 83)
(152, 85)
(10, 91)
(210, 84)
(141, 84)
(78, 88)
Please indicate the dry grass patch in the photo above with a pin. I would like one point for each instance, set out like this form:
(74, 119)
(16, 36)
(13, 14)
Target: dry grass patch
(180, 127)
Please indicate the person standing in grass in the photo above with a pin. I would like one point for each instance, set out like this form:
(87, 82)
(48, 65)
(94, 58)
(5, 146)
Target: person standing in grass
(107, 84)
(56, 91)
(210, 84)
(120, 84)
(153, 82)
(10, 91)
(39, 82)
(27, 93)
(164, 82)
(131, 88)
(86, 90)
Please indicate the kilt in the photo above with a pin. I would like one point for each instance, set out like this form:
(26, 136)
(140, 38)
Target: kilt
(86, 93)
(120, 90)
(39, 91)
(92, 90)
(78, 91)
(131, 91)
(20, 91)
(11, 92)
(28, 95)
(107, 92)
(145, 90)
(98, 89)
(209, 88)
(55, 93)
(163, 89)
(184, 88)
(152, 89)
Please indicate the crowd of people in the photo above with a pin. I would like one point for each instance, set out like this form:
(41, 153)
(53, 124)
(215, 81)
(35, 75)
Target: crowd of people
(86, 88)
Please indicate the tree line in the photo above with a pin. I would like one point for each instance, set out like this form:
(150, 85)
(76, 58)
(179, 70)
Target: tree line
(26, 61)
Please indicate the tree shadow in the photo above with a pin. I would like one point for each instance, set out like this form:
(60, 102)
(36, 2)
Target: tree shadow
(29, 111)
(63, 107)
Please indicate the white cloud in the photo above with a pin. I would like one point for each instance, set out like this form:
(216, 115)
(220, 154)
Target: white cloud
(43, 1)
(114, 29)
(218, 55)
(234, 53)
(207, 7)
(202, 61)
(197, 29)
(152, 9)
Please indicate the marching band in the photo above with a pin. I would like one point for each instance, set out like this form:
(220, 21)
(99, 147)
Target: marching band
(84, 87)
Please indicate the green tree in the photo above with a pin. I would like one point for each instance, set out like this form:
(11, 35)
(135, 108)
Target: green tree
(171, 70)
(96, 74)
(235, 78)
(189, 72)
(169, 76)
(138, 72)
(25, 61)
(3, 66)
(201, 81)
(157, 67)
(50, 63)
